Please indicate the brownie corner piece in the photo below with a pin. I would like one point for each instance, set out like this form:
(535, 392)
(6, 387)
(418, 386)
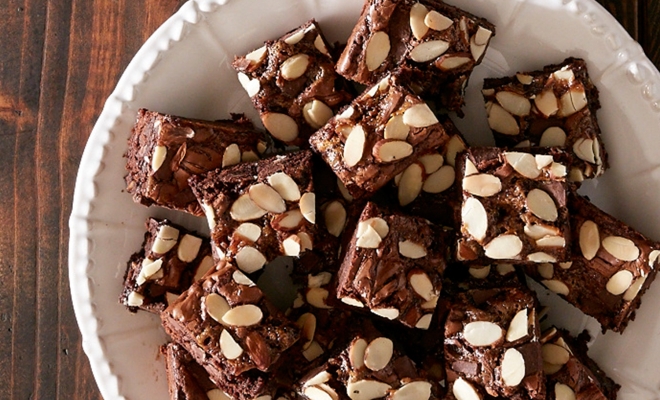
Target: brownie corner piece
(377, 136)
(165, 150)
(513, 207)
(170, 260)
(555, 106)
(186, 379)
(393, 267)
(292, 84)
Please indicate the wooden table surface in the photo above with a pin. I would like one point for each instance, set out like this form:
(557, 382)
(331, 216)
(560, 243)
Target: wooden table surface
(59, 60)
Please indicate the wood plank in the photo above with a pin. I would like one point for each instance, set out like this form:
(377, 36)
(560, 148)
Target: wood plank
(649, 15)
(626, 12)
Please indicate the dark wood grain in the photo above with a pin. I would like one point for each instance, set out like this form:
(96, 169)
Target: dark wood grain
(59, 60)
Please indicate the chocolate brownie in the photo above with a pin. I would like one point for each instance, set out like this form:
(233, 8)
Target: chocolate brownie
(492, 345)
(228, 326)
(513, 207)
(611, 267)
(393, 267)
(571, 374)
(436, 46)
(186, 379)
(292, 84)
(379, 135)
(552, 107)
(165, 150)
(261, 210)
(170, 260)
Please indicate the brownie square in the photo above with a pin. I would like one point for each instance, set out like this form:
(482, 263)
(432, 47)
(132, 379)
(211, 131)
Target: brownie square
(434, 45)
(261, 210)
(492, 345)
(186, 379)
(513, 207)
(292, 84)
(569, 370)
(552, 107)
(228, 326)
(393, 267)
(165, 150)
(379, 135)
(170, 260)
(612, 266)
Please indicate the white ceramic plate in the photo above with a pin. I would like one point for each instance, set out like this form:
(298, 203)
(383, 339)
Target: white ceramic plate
(184, 69)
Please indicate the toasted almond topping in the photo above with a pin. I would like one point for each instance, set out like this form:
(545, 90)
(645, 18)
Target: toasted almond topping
(546, 270)
(634, 289)
(482, 333)
(542, 205)
(431, 162)
(313, 352)
(321, 279)
(204, 266)
(504, 269)
(470, 168)
(289, 220)
(249, 259)
(316, 393)
(378, 48)
(134, 299)
(440, 180)
(307, 325)
(257, 55)
(316, 113)
(216, 306)
(415, 390)
(584, 149)
(513, 367)
(379, 224)
(242, 279)
(546, 103)
(412, 250)
(305, 241)
(573, 101)
(422, 285)
(160, 153)
(396, 129)
(294, 67)
(378, 353)
(454, 146)
(523, 163)
(344, 191)
(428, 51)
(553, 137)
(589, 239)
(543, 160)
(619, 282)
(462, 390)
(554, 354)
(525, 79)
(249, 156)
(431, 304)
(622, 248)
(564, 392)
(538, 231)
(262, 147)
(320, 45)
(166, 239)
(317, 297)
(354, 146)
(449, 62)
(285, 186)
(482, 36)
(419, 116)
(417, 25)
(244, 209)
(505, 246)
(244, 315)
(479, 272)
(357, 352)
(370, 239)
(424, 322)
(291, 246)
(188, 248)
(410, 184)
(352, 302)
(217, 394)
(251, 86)
(366, 389)
(514, 103)
(335, 218)
(437, 21)
(556, 286)
(566, 265)
(249, 231)
(501, 121)
(389, 150)
(230, 349)
(483, 185)
(321, 377)
(281, 126)
(550, 369)
(295, 37)
(149, 269)
(267, 198)
(308, 206)
(474, 218)
(551, 241)
(389, 313)
(518, 328)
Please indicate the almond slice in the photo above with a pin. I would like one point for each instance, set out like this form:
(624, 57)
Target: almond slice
(417, 26)
(166, 238)
(462, 390)
(546, 103)
(518, 328)
(308, 206)
(482, 333)
(160, 153)
(431, 162)
(556, 286)
(523, 163)
(317, 113)
(542, 205)
(622, 248)
(411, 250)
(424, 322)
(483, 185)
(513, 367)
(378, 48)
(554, 354)
(230, 349)
(589, 239)
(416, 390)
(437, 21)
(619, 282)
(366, 389)
(428, 51)
(422, 285)
(505, 246)
(335, 218)
(410, 184)
(289, 220)
(396, 128)
(440, 180)
(281, 126)
(553, 137)
(354, 146)
(514, 103)
(267, 198)
(249, 259)
(294, 67)
(564, 392)
(357, 352)
(216, 306)
(188, 248)
(251, 86)
(249, 231)
(501, 121)
(419, 116)
(244, 315)
(285, 186)
(474, 218)
(378, 353)
(386, 151)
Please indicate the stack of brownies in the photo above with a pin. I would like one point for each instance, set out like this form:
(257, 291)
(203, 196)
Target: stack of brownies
(409, 248)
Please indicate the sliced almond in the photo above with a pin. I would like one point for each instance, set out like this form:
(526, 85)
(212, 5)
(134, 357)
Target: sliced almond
(431, 162)
(622, 248)
(589, 239)
(369, 239)
(217, 394)
(166, 239)
(546, 270)
(566, 265)
(428, 51)
(553, 137)
(316, 393)
(422, 285)
(335, 218)
(256, 56)
(367, 389)
(653, 257)
(386, 151)
(378, 353)
(148, 269)
(514, 103)
(543, 160)
(307, 324)
(316, 113)
(267, 198)
(449, 62)
(251, 86)
(415, 390)
(554, 354)
(313, 352)
(321, 377)
(294, 67)
(525, 79)
(290, 220)
(431, 304)
(378, 48)
(317, 297)
(558, 170)
(483, 185)
(308, 206)
(573, 101)
(440, 180)
(538, 231)
(501, 121)
(634, 289)
(306, 242)
(354, 146)
(157, 159)
(419, 116)
(523, 163)
(478, 42)
(474, 218)
(242, 279)
(389, 313)
(542, 205)
(551, 241)
(584, 149)
(249, 259)
(295, 37)
(513, 367)
(134, 299)
(564, 392)
(417, 26)
(291, 246)
(396, 129)
(244, 315)
(216, 306)
(319, 43)
(479, 272)
(454, 146)
(352, 302)
(410, 184)
(505, 269)
(319, 280)
(518, 328)
(482, 333)
(470, 168)
(505, 246)
(379, 224)
(204, 266)
(556, 286)
(344, 191)
(285, 186)
(249, 156)
(412, 250)
(550, 369)
(424, 322)
(188, 248)
(230, 349)
(357, 352)
(619, 282)
(437, 21)
(249, 231)
(462, 390)
(281, 126)
(546, 103)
